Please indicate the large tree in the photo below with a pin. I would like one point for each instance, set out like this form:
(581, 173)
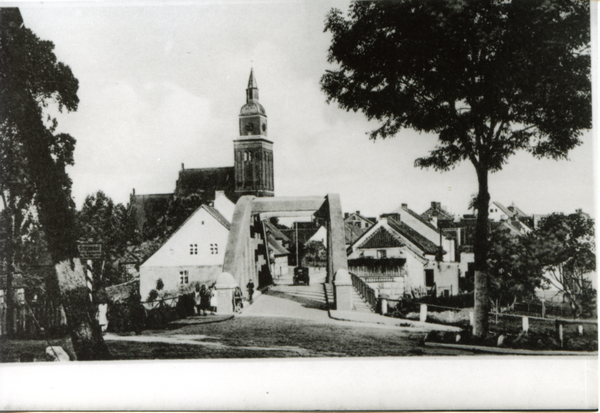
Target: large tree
(488, 77)
(33, 157)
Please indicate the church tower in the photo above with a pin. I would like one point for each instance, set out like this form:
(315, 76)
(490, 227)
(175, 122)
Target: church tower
(253, 151)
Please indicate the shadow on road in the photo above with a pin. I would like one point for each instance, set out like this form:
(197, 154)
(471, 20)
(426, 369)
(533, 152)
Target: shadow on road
(306, 302)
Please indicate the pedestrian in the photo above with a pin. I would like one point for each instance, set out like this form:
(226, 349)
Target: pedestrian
(197, 300)
(213, 300)
(204, 299)
(250, 288)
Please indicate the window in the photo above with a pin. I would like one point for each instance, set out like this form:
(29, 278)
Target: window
(193, 249)
(183, 277)
(381, 254)
(245, 156)
(214, 249)
(429, 278)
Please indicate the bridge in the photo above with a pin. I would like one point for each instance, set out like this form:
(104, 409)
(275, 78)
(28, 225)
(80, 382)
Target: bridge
(247, 257)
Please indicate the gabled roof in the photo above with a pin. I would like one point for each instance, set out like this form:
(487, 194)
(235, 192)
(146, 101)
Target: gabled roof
(353, 233)
(415, 215)
(381, 239)
(276, 231)
(440, 213)
(504, 209)
(278, 249)
(517, 211)
(413, 236)
(211, 211)
(370, 221)
(205, 179)
(217, 215)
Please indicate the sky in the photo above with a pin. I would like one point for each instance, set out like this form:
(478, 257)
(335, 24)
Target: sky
(162, 84)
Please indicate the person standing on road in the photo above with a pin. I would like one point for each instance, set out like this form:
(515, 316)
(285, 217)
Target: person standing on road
(204, 299)
(250, 288)
(197, 300)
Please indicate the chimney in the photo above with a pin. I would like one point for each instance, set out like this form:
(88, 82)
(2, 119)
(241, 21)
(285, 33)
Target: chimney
(357, 212)
(346, 215)
(404, 205)
(436, 205)
(182, 166)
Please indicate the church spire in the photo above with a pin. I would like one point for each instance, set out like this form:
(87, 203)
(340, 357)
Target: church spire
(252, 90)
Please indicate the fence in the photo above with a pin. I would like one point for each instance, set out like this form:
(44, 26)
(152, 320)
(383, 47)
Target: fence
(386, 274)
(48, 314)
(541, 309)
(369, 294)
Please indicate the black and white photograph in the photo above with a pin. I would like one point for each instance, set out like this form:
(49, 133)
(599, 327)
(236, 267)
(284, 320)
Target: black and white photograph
(298, 205)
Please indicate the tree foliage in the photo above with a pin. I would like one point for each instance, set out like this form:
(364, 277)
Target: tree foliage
(514, 267)
(32, 156)
(488, 77)
(567, 250)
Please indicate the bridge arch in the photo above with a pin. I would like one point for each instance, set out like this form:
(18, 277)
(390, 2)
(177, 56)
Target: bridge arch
(246, 254)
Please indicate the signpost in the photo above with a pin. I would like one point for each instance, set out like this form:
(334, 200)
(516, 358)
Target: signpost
(90, 251)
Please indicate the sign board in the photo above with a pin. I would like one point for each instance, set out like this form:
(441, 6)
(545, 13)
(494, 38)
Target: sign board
(90, 251)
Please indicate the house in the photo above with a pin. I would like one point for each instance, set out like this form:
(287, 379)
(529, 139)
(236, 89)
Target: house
(193, 254)
(251, 173)
(278, 255)
(426, 229)
(392, 238)
(357, 220)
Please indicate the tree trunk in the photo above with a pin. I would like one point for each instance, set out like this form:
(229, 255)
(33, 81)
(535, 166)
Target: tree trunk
(86, 333)
(480, 325)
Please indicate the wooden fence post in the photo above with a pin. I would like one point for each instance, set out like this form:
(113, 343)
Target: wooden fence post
(543, 308)
(86, 333)
(423, 314)
(525, 324)
(559, 330)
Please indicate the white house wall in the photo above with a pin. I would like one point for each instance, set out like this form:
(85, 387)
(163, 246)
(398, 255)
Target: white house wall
(201, 229)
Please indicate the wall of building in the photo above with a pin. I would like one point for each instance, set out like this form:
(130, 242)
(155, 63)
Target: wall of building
(201, 230)
(446, 278)
(280, 266)
(197, 247)
(394, 290)
(465, 259)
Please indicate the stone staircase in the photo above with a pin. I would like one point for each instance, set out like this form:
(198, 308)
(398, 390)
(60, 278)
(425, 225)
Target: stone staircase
(358, 304)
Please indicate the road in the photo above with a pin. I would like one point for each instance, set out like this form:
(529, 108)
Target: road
(286, 321)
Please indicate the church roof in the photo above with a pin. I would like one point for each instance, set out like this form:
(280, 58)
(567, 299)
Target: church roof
(253, 108)
(205, 179)
(252, 80)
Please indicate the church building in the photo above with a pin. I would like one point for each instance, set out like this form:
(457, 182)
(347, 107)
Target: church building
(251, 174)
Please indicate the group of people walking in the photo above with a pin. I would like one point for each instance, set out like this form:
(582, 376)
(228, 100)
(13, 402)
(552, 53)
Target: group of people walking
(203, 300)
